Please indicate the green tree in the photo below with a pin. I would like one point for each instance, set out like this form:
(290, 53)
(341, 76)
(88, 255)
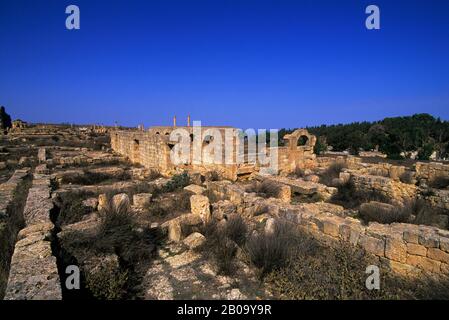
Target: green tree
(5, 119)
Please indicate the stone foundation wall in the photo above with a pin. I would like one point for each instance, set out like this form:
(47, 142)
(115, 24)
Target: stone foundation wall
(8, 223)
(431, 170)
(33, 273)
(390, 188)
(405, 248)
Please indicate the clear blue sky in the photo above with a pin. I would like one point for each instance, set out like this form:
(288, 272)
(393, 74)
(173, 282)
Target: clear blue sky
(244, 63)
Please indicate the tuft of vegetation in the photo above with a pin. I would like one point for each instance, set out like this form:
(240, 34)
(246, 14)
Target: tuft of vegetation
(72, 210)
(332, 172)
(406, 177)
(439, 182)
(266, 188)
(223, 241)
(178, 181)
(154, 174)
(350, 197)
(315, 271)
(117, 233)
(93, 178)
(270, 251)
(298, 172)
(386, 214)
(106, 282)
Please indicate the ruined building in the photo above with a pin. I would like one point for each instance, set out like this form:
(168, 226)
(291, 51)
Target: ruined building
(152, 149)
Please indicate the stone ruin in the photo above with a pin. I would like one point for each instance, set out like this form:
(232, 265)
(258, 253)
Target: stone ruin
(33, 272)
(152, 150)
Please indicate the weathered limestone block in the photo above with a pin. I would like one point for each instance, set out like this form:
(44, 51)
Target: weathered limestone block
(102, 202)
(350, 231)
(438, 255)
(424, 263)
(194, 240)
(200, 205)
(42, 169)
(174, 230)
(428, 239)
(416, 249)
(372, 245)
(195, 189)
(285, 194)
(223, 208)
(41, 155)
(91, 203)
(444, 244)
(312, 178)
(142, 200)
(395, 249)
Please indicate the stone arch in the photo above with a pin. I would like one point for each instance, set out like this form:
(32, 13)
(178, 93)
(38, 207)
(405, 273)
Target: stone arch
(300, 138)
(302, 141)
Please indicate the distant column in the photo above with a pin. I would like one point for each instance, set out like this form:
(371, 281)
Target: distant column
(188, 120)
(174, 121)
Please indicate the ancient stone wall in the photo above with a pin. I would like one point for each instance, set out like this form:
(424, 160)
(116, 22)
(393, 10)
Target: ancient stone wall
(405, 248)
(33, 273)
(9, 222)
(152, 150)
(429, 171)
(390, 188)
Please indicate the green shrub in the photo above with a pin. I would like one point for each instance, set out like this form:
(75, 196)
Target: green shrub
(177, 182)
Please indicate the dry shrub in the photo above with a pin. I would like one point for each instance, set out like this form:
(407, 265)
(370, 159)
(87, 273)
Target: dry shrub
(351, 197)
(379, 212)
(94, 178)
(324, 273)
(298, 173)
(332, 172)
(439, 182)
(222, 242)
(406, 177)
(270, 251)
(266, 188)
(154, 174)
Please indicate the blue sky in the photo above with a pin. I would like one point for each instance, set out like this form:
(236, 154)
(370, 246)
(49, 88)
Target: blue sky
(260, 64)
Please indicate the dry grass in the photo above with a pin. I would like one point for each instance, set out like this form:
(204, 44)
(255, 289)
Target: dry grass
(266, 188)
(271, 251)
(332, 172)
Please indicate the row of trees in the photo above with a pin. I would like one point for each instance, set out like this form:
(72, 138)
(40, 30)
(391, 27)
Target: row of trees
(395, 137)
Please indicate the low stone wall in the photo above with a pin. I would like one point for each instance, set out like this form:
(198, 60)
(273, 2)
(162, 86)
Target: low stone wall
(431, 170)
(405, 248)
(437, 198)
(34, 274)
(9, 225)
(390, 188)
